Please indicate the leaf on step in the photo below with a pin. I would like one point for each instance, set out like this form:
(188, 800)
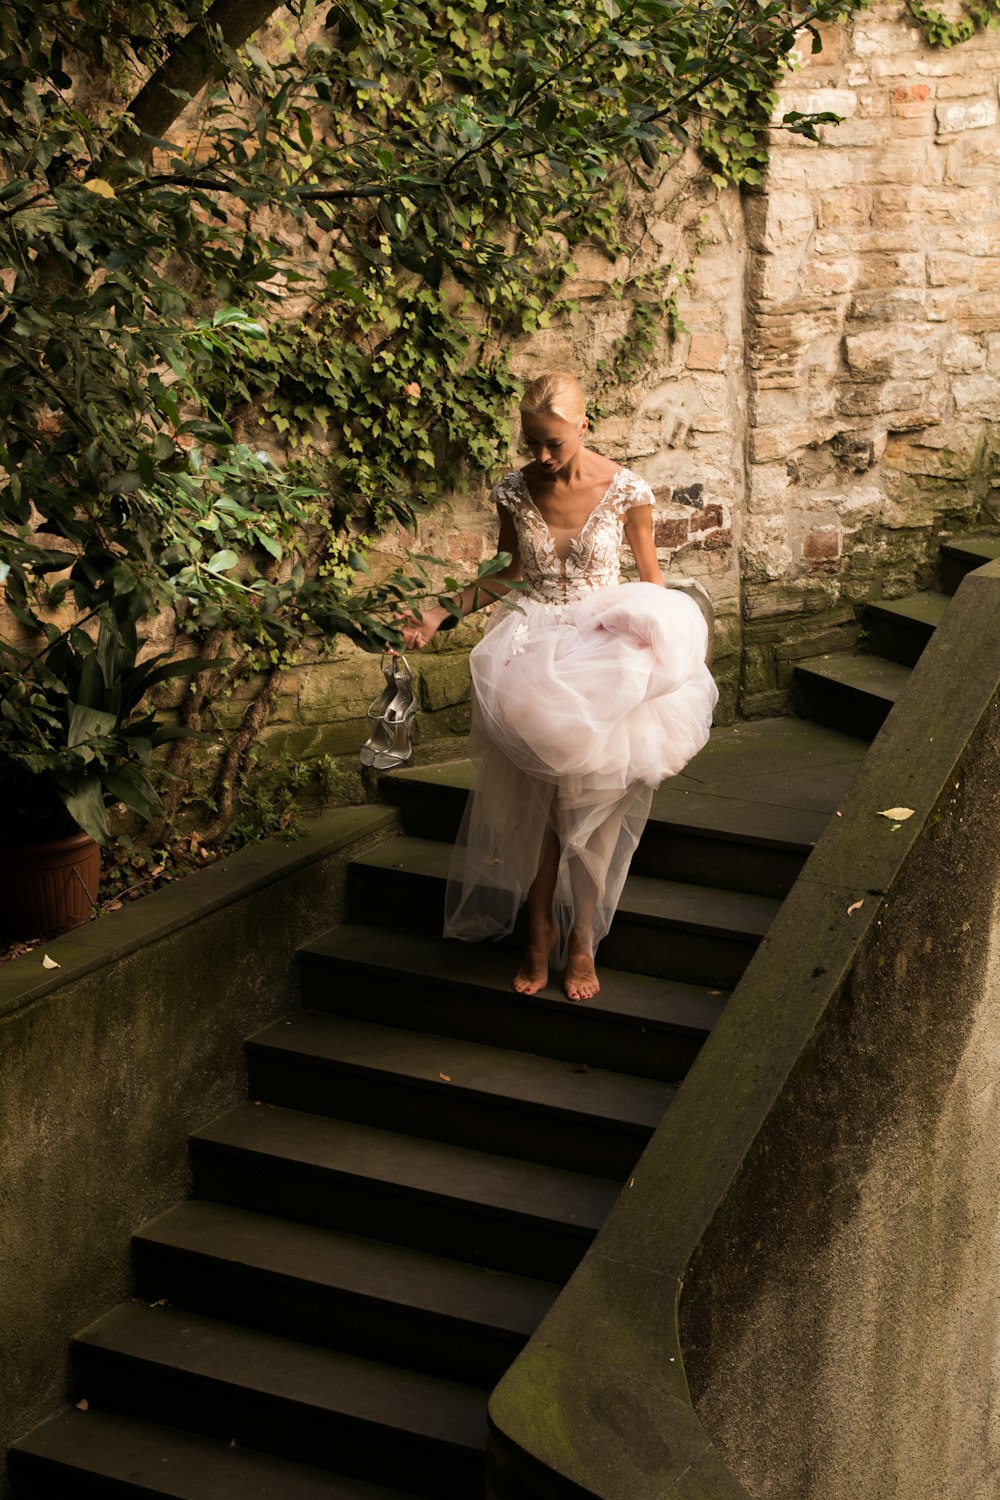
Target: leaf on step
(445, 1077)
(580, 1068)
(855, 906)
(50, 963)
(161, 1302)
(232, 1442)
(897, 814)
(713, 992)
(631, 1182)
(83, 1405)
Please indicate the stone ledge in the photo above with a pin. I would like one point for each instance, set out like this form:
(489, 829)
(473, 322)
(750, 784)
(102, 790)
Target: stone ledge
(118, 934)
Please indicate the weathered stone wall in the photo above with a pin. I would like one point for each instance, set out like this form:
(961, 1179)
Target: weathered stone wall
(830, 409)
(872, 337)
(833, 407)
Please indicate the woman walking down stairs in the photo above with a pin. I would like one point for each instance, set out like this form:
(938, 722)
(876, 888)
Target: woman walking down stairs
(424, 1155)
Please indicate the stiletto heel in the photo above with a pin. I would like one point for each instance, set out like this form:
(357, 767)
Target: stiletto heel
(390, 743)
(376, 711)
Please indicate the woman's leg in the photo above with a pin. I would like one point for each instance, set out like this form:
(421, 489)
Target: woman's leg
(580, 979)
(533, 975)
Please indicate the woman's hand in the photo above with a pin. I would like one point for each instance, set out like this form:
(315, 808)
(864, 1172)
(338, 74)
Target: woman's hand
(419, 629)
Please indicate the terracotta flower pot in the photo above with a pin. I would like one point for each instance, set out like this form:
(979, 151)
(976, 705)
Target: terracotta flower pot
(48, 887)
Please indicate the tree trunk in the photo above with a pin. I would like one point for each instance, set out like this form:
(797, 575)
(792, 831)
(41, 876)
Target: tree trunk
(188, 68)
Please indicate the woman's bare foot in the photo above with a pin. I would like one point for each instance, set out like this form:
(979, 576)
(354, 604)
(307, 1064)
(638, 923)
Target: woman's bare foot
(533, 975)
(580, 980)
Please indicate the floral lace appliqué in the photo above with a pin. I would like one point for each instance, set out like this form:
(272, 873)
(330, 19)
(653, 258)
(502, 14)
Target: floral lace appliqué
(592, 555)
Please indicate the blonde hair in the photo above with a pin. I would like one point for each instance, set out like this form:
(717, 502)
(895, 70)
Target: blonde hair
(558, 393)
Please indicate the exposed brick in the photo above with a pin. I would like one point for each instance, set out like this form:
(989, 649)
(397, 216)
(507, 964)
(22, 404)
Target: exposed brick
(717, 540)
(707, 518)
(822, 544)
(672, 533)
(707, 352)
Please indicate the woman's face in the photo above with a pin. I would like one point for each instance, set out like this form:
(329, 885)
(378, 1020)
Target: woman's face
(551, 440)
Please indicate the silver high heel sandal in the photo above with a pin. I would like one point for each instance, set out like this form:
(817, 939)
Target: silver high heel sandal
(376, 710)
(390, 743)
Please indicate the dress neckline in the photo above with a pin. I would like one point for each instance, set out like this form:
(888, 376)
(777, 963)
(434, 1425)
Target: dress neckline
(574, 535)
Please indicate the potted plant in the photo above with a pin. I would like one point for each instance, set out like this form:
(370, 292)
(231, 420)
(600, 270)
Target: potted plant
(75, 738)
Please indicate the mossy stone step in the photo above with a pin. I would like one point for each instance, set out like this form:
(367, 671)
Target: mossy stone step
(848, 692)
(689, 932)
(690, 835)
(899, 629)
(487, 1097)
(369, 1297)
(470, 1205)
(84, 1455)
(295, 1400)
(637, 1024)
(963, 555)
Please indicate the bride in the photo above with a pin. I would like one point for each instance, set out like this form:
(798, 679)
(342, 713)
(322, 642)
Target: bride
(587, 692)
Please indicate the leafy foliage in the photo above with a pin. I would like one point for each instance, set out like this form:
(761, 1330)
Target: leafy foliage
(940, 31)
(336, 246)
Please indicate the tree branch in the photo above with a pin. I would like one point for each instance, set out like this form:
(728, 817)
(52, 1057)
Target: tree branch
(188, 68)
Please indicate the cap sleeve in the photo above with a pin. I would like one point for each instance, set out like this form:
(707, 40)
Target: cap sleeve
(507, 492)
(632, 490)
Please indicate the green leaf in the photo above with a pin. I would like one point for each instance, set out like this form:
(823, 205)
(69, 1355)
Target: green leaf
(130, 786)
(86, 724)
(222, 561)
(84, 802)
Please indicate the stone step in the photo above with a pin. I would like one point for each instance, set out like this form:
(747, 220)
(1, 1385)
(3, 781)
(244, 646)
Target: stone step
(899, 629)
(429, 1195)
(365, 1296)
(637, 1024)
(854, 694)
(96, 1455)
(489, 1098)
(702, 840)
(697, 934)
(298, 1401)
(963, 555)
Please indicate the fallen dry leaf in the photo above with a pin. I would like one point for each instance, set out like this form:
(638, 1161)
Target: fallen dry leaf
(897, 814)
(856, 906)
(50, 963)
(580, 1068)
(83, 1405)
(713, 992)
(445, 1077)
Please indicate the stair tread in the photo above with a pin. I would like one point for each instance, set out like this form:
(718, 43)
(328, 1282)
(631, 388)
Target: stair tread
(498, 1184)
(470, 1068)
(667, 902)
(987, 548)
(867, 674)
(329, 1259)
(486, 970)
(674, 807)
(925, 608)
(181, 1465)
(269, 1366)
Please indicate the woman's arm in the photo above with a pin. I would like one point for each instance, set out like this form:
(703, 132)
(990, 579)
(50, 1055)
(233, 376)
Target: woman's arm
(419, 629)
(639, 534)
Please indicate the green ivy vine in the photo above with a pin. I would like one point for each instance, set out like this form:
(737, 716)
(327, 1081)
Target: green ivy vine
(939, 31)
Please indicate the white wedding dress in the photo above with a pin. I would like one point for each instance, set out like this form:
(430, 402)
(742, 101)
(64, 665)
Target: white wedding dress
(587, 692)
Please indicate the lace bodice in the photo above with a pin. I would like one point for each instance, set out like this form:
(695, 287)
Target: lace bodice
(561, 565)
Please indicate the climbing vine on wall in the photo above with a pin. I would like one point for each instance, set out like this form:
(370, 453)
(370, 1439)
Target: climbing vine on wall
(941, 31)
(356, 214)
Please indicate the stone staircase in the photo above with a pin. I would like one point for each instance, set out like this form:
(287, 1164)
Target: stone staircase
(425, 1156)
(855, 691)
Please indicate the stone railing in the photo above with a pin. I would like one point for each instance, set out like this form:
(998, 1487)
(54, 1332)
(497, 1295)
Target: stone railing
(108, 1061)
(796, 1297)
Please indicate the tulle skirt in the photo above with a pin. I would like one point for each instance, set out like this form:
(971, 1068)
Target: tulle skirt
(579, 712)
